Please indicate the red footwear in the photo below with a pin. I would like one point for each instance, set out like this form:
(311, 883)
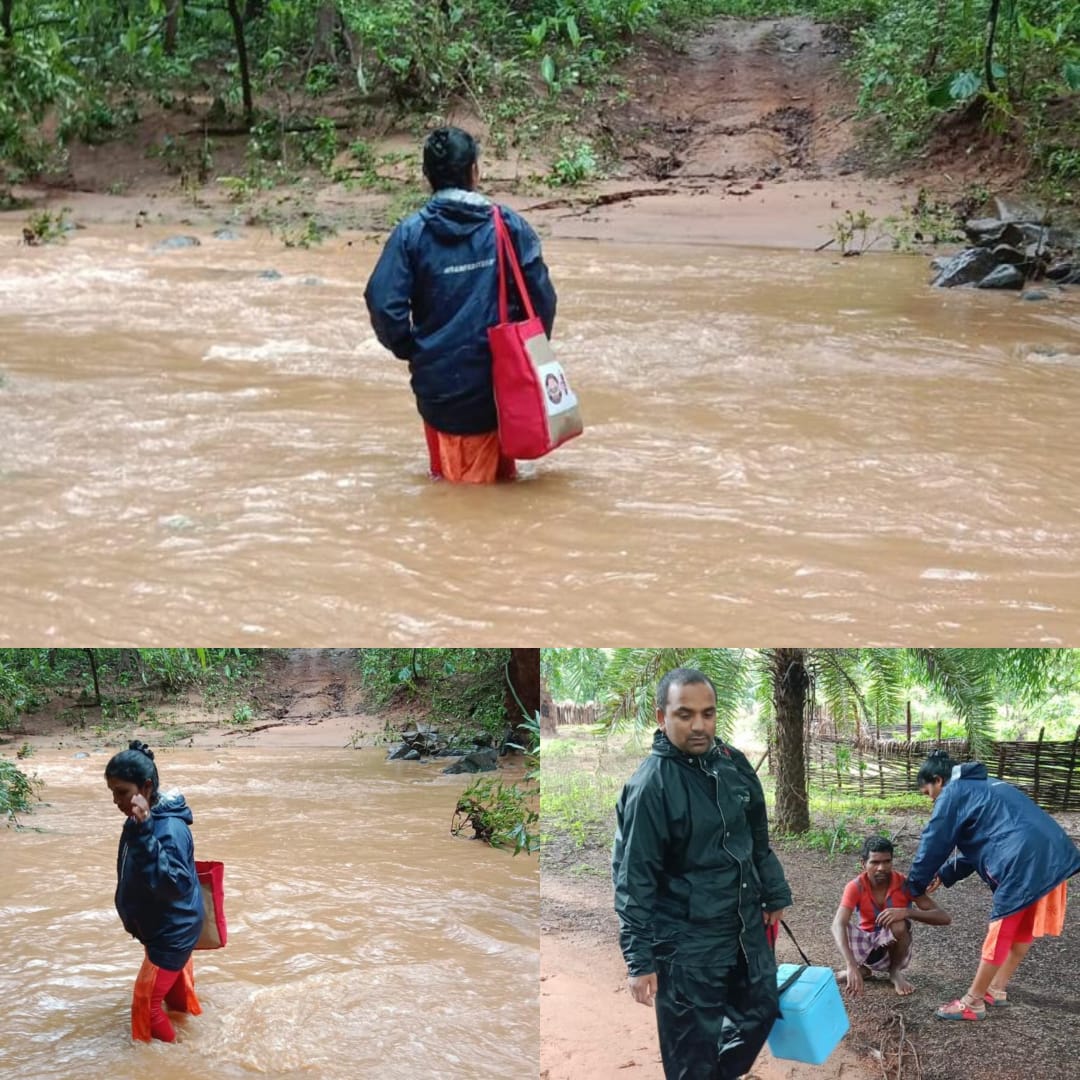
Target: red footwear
(995, 1002)
(958, 1010)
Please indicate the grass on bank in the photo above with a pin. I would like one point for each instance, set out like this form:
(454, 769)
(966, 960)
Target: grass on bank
(582, 775)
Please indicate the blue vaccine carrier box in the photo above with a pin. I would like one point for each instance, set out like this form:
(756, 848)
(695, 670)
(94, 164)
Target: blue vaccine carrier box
(812, 1019)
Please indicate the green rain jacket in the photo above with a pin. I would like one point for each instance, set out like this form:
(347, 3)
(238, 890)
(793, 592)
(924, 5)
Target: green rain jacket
(692, 865)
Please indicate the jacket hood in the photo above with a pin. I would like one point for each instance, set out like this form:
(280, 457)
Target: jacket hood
(454, 213)
(172, 804)
(969, 770)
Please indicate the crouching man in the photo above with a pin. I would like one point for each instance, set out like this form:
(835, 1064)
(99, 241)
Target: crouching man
(878, 941)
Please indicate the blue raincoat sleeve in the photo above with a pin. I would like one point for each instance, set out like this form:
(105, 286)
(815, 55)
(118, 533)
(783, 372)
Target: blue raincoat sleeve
(955, 869)
(165, 864)
(389, 297)
(637, 860)
(936, 843)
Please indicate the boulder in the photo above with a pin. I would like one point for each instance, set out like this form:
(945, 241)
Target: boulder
(1003, 277)
(1004, 255)
(478, 761)
(986, 232)
(968, 267)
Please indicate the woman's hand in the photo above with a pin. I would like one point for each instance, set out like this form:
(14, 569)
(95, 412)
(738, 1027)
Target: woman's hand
(138, 808)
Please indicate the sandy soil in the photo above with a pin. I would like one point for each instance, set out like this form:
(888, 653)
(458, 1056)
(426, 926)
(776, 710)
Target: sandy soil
(591, 1028)
(746, 138)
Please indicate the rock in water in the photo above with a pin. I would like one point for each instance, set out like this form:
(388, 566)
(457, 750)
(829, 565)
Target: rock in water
(1003, 277)
(174, 243)
(478, 761)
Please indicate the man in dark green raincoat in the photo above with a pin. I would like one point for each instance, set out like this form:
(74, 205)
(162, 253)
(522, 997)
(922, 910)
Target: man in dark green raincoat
(696, 883)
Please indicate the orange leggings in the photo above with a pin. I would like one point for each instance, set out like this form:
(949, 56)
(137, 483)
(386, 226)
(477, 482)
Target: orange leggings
(154, 986)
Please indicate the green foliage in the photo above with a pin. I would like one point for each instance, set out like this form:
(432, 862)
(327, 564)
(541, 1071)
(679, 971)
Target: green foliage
(497, 814)
(16, 791)
(29, 677)
(243, 713)
(46, 227)
(464, 686)
(576, 164)
(574, 674)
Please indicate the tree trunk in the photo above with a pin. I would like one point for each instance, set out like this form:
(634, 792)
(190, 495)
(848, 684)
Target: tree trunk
(991, 32)
(525, 681)
(93, 672)
(241, 54)
(5, 19)
(326, 20)
(172, 26)
(790, 684)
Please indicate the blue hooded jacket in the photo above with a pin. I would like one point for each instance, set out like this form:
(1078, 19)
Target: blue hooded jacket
(433, 295)
(1017, 849)
(158, 896)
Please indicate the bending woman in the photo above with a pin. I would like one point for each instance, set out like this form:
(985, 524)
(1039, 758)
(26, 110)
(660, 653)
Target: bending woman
(157, 891)
(1021, 852)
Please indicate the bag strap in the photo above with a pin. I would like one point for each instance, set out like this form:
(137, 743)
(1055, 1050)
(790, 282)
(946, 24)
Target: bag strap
(504, 252)
(805, 958)
(790, 979)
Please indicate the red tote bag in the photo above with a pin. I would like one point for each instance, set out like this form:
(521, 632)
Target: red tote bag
(212, 882)
(537, 410)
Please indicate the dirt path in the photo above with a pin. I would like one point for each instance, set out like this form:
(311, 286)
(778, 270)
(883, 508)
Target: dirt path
(747, 137)
(592, 1030)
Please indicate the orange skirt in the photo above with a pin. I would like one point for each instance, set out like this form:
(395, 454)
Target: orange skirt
(1046, 917)
(467, 459)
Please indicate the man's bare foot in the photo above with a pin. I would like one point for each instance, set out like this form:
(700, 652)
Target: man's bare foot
(901, 985)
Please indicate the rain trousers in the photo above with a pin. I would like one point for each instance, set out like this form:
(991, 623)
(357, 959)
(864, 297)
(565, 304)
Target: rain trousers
(693, 872)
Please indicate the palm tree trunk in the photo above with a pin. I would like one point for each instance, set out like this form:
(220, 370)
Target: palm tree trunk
(790, 682)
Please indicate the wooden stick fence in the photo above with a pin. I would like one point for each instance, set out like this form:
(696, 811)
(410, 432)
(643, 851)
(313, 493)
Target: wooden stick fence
(1047, 771)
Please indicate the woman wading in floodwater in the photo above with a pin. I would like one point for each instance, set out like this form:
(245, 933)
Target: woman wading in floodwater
(157, 891)
(432, 297)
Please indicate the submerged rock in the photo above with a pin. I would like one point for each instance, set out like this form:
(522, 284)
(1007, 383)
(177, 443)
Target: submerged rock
(269, 275)
(1036, 294)
(175, 243)
(226, 234)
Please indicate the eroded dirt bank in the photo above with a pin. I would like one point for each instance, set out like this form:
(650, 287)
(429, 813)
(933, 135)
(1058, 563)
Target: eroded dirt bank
(746, 137)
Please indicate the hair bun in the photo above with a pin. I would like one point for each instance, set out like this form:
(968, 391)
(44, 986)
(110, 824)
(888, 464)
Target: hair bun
(938, 755)
(142, 748)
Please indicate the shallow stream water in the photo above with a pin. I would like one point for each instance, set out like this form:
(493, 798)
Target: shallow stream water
(364, 941)
(775, 439)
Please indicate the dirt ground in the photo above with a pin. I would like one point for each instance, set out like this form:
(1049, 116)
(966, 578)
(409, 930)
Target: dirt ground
(746, 137)
(592, 1030)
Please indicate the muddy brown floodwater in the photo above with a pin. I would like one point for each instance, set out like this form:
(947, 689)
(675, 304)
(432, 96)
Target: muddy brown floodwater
(364, 941)
(774, 438)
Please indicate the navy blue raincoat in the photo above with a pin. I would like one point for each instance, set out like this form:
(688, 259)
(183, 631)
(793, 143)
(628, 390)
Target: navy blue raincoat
(157, 890)
(1000, 834)
(432, 297)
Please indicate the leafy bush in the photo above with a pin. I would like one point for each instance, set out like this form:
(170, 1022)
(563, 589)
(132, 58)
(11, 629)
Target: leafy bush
(497, 814)
(16, 791)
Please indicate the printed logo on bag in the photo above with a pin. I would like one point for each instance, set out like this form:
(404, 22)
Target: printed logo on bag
(559, 398)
